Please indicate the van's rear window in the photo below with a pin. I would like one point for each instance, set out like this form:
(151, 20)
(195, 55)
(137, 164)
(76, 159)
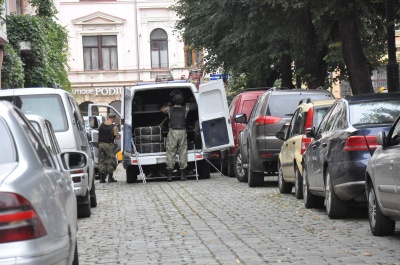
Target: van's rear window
(285, 105)
(50, 107)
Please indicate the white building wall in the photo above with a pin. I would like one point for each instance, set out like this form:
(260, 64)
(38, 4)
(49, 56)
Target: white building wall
(132, 22)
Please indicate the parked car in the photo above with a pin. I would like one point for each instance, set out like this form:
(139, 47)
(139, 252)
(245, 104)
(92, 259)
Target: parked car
(61, 109)
(258, 146)
(145, 127)
(241, 103)
(382, 181)
(38, 213)
(335, 162)
(307, 115)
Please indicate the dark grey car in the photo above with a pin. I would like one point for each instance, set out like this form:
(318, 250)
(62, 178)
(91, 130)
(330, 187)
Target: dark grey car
(258, 147)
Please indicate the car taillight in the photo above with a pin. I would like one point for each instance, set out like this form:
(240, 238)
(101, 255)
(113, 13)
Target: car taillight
(360, 143)
(309, 119)
(18, 220)
(305, 142)
(264, 120)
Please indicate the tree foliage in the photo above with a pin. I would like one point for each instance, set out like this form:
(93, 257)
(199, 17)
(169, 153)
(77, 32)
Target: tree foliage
(46, 64)
(302, 40)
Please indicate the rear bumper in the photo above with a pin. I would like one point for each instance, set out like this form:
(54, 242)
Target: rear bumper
(161, 158)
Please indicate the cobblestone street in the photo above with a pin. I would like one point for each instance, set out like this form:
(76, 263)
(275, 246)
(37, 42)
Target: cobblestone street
(221, 221)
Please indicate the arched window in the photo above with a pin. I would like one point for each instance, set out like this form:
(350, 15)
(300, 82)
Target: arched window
(159, 48)
(84, 108)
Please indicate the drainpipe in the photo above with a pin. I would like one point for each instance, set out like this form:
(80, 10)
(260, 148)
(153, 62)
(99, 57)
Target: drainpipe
(137, 39)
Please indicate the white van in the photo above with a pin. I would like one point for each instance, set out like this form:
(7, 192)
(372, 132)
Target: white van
(61, 109)
(145, 127)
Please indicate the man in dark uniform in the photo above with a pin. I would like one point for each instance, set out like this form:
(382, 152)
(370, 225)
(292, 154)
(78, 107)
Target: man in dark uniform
(107, 161)
(177, 137)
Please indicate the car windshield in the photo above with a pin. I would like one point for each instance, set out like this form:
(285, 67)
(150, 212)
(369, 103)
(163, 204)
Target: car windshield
(285, 105)
(47, 106)
(375, 112)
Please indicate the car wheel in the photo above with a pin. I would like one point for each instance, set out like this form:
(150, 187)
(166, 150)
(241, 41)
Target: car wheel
(204, 169)
(298, 184)
(380, 224)
(132, 174)
(335, 207)
(240, 171)
(223, 165)
(76, 257)
(84, 208)
(310, 200)
(255, 179)
(283, 186)
(231, 170)
(93, 198)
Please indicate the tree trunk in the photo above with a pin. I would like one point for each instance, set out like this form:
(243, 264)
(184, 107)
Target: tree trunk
(286, 71)
(352, 49)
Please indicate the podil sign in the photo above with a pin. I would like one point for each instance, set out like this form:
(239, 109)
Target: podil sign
(106, 91)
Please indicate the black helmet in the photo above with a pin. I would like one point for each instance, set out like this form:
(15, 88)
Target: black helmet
(177, 97)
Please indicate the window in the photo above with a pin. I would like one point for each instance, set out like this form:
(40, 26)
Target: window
(159, 49)
(193, 58)
(100, 52)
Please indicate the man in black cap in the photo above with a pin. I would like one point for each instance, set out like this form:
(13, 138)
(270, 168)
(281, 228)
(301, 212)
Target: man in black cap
(107, 161)
(177, 137)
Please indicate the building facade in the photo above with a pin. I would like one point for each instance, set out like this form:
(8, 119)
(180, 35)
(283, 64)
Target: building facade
(120, 43)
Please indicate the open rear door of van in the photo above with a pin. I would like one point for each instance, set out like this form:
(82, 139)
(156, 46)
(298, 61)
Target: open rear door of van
(215, 124)
(126, 109)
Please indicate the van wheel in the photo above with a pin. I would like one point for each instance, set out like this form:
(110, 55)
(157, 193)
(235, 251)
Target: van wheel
(197, 135)
(239, 170)
(204, 169)
(132, 174)
(283, 186)
(84, 209)
(223, 159)
(231, 170)
(335, 207)
(76, 257)
(255, 179)
(93, 198)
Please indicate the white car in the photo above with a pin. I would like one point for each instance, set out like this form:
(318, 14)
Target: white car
(38, 213)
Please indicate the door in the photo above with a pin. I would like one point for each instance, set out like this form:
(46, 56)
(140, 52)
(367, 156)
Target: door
(215, 124)
(126, 120)
(94, 132)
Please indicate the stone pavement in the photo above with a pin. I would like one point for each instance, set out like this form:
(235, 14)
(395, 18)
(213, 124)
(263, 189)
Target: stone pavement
(221, 221)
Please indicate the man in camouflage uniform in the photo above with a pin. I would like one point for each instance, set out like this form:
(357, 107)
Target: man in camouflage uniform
(177, 137)
(107, 161)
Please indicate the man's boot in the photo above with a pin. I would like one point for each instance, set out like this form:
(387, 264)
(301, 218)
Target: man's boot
(169, 177)
(102, 178)
(110, 178)
(183, 174)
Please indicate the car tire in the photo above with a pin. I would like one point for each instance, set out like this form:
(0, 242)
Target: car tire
(204, 169)
(335, 207)
(132, 173)
(380, 224)
(231, 170)
(310, 200)
(298, 183)
(76, 257)
(239, 170)
(93, 198)
(283, 186)
(84, 210)
(255, 179)
(223, 163)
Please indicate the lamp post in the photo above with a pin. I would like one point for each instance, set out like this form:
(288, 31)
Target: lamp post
(392, 67)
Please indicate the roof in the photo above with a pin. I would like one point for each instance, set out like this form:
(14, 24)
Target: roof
(372, 97)
(31, 91)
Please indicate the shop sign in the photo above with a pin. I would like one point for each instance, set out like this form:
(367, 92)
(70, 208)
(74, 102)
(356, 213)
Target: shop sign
(105, 91)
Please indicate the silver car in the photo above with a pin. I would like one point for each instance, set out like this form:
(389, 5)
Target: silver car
(38, 213)
(383, 182)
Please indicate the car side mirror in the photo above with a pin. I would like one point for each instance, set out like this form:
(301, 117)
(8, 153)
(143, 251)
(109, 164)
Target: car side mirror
(74, 161)
(381, 138)
(241, 118)
(310, 132)
(280, 135)
(93, 123)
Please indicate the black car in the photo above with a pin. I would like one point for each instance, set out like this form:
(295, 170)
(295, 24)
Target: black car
(335, 162)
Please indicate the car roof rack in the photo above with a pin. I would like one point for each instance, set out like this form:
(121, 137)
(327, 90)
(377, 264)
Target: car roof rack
(305, 100)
